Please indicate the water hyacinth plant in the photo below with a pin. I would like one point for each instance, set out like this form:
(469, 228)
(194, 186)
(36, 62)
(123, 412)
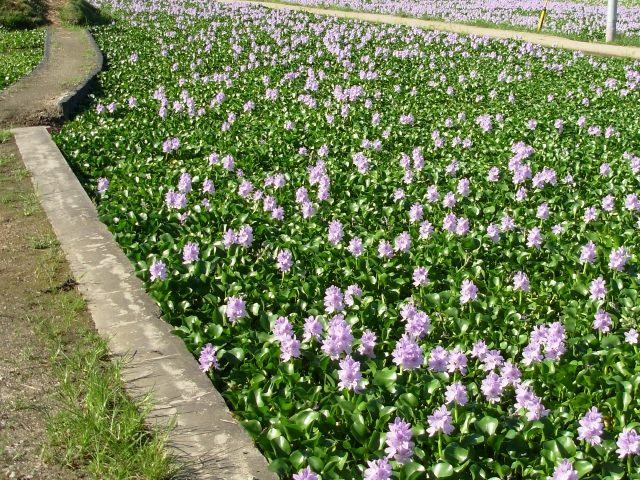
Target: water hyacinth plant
(383, 265)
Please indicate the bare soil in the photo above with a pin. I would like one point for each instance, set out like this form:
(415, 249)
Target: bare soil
(30, 264)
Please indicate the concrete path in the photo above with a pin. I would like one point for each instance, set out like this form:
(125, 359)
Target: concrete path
(546, 40)
(205, 434)
(34, 99)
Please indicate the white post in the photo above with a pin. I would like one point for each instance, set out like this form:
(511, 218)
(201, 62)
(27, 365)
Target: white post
(612, 13)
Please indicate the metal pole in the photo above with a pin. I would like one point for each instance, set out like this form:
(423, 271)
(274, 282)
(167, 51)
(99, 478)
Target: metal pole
(612, 14)
(543, 14)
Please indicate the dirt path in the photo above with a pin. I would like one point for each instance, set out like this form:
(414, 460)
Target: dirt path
(31, 262)
(34, 100)
(546, 40)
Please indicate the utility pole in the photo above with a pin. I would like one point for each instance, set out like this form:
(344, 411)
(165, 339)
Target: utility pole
(612, 14)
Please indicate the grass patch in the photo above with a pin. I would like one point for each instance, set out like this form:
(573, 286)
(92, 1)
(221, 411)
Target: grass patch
(22, 14)
(99, 425)
(98, 428)
(80, 13)
(5, 135)
(45, 241)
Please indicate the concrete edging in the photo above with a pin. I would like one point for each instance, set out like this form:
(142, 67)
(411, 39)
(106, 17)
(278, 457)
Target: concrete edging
(68, 103)
(45, 59)
(205, 433)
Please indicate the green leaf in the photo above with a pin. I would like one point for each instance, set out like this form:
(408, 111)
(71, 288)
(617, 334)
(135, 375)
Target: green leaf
(582, 467)
(487, 426)
(412, 471)
(253, 427)
(442, 470)
(305, 418)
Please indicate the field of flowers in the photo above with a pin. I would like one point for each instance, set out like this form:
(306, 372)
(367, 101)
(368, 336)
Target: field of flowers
(397, 253)
(20, 53)
(586, 19)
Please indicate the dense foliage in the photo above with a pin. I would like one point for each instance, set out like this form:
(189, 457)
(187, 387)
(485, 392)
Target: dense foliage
(20, 53)
(585, 19)
(373, 225)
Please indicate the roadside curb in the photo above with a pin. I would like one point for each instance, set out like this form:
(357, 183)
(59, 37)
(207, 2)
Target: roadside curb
(45, 59)
(68, 103)
(546, 40)
(205, 434)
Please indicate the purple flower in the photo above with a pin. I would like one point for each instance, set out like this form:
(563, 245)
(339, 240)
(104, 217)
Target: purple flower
(438, 359)
(521, 282)
(400, 446)
(308, 210)
(462, 226)
(99, 109)
(236, 308)
(103, 185)
(602, 321)
(282, 328)
(426, 229)
(532, 404)
(335, 232)
(208, 358)
(415, 213)
(449, 223)
(618, 259)
(378, 470)
(408, 353)
(355, 247)
(333, 300)
(590, 427)
(534, 238)
(628, 443)
(349, 374)
(598, 289)
(457, 360)
(306, 474)
(284, 261)
(590, 214)
(565, 471)
(312, 329)
(449, 200)
(557, 229)
(418, 325)
(608, 203)
(532, 124)
(543, 211)
(403, 242)
(479, 350)
(492, 360)
(245, 236)
(420, 277)
(631, 337)
(229, 238)
(492, 387)
(494, 174)
(339, 338)
(440, 421)
(207, 186)
(385, 250)
(368, 343)
(509, 374)
(352, 290)
(468, 292)
(190, 253)
(457, 393)
(507, 223)
(432, 194)
(290, 348)
(157, 271)
(588, 253)
(493, 232)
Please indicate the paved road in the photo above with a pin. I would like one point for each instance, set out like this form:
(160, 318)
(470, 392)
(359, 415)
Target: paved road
(547, 40)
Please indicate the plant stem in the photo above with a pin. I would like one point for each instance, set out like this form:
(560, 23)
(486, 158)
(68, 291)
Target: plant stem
(440, 445)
